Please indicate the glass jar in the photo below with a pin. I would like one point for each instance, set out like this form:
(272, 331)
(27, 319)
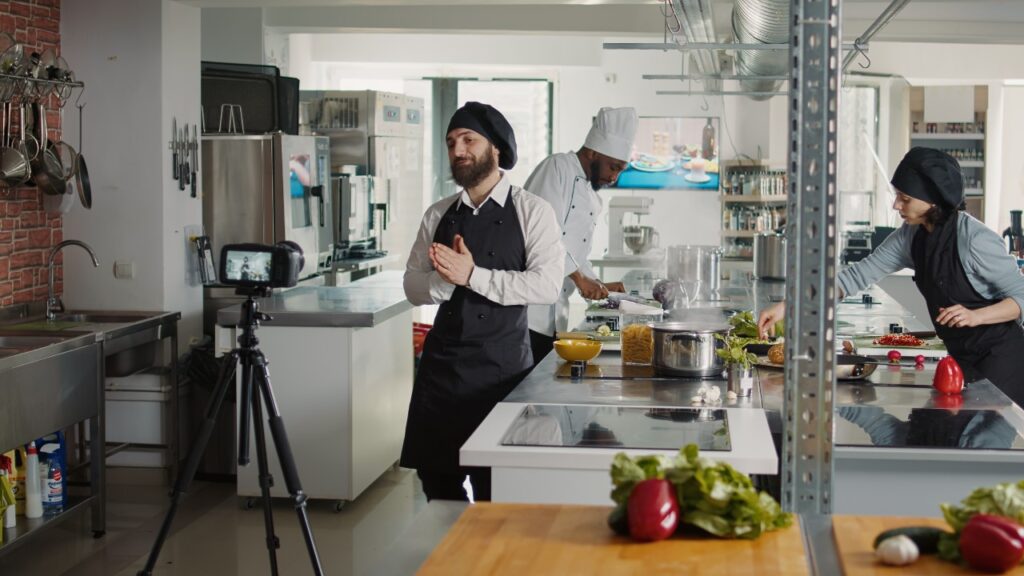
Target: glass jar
(637, 338)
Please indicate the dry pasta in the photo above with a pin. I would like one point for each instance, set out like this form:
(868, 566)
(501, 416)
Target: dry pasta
(637, 344)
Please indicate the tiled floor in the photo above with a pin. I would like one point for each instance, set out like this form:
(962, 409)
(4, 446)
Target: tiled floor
(213, 535)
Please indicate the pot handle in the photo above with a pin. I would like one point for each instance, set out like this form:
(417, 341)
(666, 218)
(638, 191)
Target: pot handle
(686, 337)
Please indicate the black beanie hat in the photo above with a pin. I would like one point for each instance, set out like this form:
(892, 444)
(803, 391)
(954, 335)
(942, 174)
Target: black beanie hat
(930, 175)
(489, 123)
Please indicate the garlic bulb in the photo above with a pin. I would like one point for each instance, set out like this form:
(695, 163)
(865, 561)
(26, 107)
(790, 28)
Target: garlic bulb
(897, 551)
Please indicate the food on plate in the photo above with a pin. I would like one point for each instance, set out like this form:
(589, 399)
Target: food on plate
(897, 551)
(992, 543)
(604, 330)
(901, 340)
(710, 495)
(652, 510)
(637, 344)
(894, 356)
(949, 377)
(647, 163)
(1006, 500)
(777, 354)
(925, 537)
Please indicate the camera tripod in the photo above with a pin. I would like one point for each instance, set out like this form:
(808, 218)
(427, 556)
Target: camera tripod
(255, 382)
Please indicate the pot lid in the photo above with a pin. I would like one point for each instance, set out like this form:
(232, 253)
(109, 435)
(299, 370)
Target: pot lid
(703, 327)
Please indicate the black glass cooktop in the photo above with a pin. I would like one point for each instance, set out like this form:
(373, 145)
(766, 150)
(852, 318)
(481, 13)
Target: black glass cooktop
(876, 426)
(620, 427)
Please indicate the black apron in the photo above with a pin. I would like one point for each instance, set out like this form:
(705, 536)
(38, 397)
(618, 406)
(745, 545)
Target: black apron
(992, 351)
(477, 350)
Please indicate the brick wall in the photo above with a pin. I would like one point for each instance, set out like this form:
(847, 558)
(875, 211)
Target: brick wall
(27, 232)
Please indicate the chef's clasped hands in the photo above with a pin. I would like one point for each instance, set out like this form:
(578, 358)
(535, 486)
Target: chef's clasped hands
(455, 265)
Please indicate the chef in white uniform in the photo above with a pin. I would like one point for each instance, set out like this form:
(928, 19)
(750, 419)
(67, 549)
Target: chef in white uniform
(569, 182)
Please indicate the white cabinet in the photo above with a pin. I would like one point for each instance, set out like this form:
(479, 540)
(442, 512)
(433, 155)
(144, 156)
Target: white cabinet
(343, 394)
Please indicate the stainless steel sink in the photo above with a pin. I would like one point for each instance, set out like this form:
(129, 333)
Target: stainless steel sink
(11, 345)
(101, 318)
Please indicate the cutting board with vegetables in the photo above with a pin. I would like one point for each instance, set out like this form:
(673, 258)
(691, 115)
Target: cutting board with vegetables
(855, 536)
(931, 348)
(517, 539)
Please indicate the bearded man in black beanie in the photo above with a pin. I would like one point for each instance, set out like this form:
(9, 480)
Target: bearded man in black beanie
(971, 284)
(483, 254)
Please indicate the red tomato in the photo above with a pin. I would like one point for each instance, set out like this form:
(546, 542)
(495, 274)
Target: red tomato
(949, 378)
(894, 356)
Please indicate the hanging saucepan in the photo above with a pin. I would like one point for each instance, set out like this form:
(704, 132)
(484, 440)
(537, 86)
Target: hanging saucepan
(47, 171)
(82, 174)
(15, 168)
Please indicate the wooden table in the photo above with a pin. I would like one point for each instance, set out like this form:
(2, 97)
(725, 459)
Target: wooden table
(517, 539)
(856, 534)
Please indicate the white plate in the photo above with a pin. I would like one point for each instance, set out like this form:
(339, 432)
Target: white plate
(658, 167)
(697, 179)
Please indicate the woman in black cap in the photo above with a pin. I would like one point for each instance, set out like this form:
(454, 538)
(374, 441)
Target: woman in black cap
(972, 286)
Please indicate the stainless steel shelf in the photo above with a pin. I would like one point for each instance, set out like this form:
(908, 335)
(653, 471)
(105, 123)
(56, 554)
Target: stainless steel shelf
(755, 199)
(27, 527)
(935, 136)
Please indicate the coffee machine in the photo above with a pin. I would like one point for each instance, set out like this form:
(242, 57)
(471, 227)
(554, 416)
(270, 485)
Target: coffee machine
(1015, 235)
(619, 222)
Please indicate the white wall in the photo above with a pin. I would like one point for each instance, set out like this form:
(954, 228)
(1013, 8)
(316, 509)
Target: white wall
(1012, 196)
(139, 60)
(232, 35)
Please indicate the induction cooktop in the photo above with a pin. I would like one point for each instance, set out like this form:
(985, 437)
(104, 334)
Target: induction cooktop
(649, 428)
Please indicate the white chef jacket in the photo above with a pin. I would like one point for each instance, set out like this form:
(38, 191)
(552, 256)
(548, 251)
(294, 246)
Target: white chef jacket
(561, 181)
(538, 284)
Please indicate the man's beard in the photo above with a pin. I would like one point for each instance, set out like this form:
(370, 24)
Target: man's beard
(470, 174)
(595, 170)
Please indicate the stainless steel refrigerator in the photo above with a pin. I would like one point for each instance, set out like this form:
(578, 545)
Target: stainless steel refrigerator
(266, 189)
(380, 135)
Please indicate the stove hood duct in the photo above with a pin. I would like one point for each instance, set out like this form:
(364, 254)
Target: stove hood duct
(765, 22)
(696, 25)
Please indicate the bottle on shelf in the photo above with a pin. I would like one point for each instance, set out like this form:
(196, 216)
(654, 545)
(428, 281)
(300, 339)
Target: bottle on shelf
(33, 484)
(707, 144)
(52, 482)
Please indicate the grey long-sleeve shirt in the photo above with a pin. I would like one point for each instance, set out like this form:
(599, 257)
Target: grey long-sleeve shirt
(990, 268)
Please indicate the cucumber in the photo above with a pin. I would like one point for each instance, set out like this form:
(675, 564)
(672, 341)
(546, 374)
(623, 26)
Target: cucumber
(926, 537)
(618, 520)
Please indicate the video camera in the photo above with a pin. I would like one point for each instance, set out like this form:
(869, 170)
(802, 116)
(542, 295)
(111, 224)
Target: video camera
(260, 265)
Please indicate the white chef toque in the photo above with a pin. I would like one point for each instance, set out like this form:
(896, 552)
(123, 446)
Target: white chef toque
(613, 132)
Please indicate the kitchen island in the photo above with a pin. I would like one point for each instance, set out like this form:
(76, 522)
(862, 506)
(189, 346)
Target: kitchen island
(893, 433)
(341, 365)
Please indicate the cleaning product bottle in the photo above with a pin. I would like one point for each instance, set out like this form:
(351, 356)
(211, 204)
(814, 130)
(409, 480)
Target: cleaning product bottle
(7, 472)
(52, 481)
(33, 484)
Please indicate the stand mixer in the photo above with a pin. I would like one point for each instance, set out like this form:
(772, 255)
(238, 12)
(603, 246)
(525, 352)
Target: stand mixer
(623, 233)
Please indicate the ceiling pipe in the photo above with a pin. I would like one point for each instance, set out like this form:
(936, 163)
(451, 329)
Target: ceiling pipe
(861, 42)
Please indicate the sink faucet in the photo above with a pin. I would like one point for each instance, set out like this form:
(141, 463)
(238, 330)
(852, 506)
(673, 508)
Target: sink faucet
(53, 304)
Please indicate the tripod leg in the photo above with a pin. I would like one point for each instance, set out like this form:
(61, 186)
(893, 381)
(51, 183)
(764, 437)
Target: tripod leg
(245, 409)
(266, 481)
(186, 474)
(261, 383)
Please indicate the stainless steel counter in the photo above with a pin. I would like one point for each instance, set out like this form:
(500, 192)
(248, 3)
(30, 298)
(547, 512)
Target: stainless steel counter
(363, 303)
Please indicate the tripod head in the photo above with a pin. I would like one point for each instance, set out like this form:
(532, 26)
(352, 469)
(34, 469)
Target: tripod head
(250, 318)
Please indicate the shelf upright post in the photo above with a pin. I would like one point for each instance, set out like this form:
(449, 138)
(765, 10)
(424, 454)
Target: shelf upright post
(807, 465)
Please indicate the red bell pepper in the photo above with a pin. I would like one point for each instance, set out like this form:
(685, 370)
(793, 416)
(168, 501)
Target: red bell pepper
(653, 510)
(949, 378)
(992, 543)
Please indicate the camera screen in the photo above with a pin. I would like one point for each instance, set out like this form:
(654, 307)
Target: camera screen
(247, 266)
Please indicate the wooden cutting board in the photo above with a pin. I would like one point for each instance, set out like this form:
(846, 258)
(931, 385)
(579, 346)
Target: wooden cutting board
(856, 534)
(518, 539)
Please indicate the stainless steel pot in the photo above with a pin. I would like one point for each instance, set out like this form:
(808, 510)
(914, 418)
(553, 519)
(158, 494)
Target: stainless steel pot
(688, 348)
(770, 256)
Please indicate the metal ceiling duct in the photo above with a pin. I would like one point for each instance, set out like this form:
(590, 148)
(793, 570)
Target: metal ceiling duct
(697, 26)
(765, 22)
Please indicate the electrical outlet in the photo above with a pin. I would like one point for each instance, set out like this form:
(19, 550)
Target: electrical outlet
(124, 269)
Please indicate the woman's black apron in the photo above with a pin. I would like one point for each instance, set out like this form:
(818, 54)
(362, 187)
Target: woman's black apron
(993, 351)
(477, 350)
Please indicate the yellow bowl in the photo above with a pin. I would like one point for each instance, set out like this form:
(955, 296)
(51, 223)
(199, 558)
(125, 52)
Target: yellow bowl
(578, 350)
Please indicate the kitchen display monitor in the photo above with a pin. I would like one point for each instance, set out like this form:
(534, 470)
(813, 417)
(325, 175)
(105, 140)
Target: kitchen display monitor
(643, 428)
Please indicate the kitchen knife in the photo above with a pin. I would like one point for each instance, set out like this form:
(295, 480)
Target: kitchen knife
(174, 148)
(183, 168)
(194, 145)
